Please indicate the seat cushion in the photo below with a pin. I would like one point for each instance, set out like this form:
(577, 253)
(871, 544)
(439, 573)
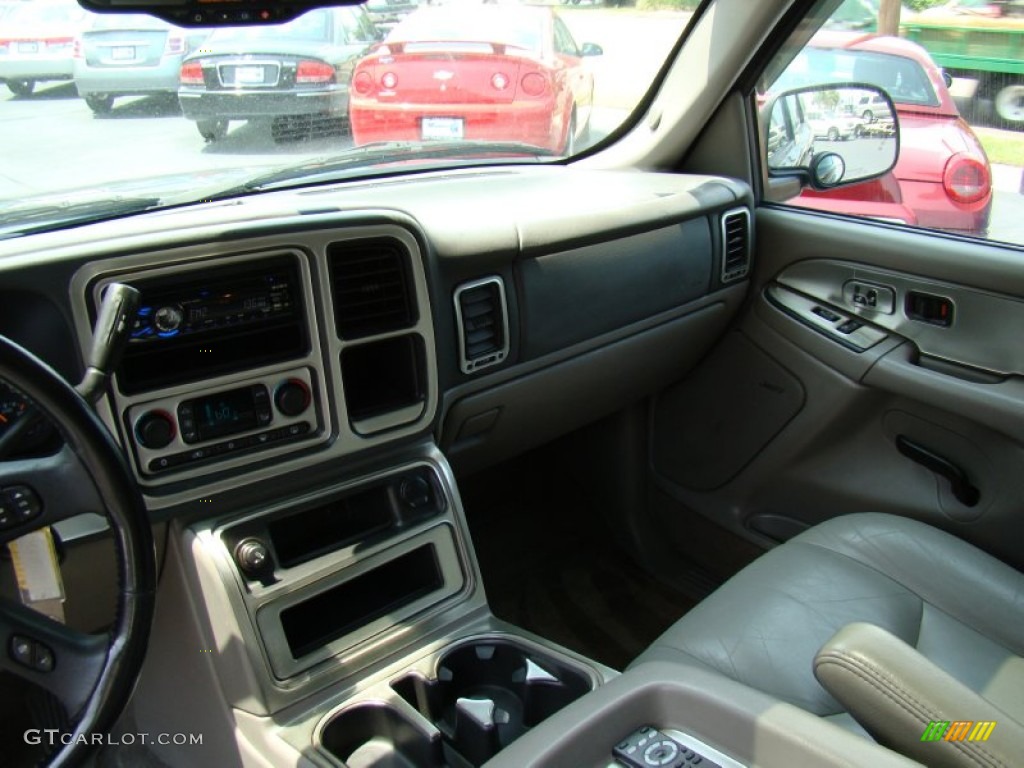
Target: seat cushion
(961, 608)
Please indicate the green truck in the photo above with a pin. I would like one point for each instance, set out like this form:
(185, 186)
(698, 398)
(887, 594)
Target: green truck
(989, 51)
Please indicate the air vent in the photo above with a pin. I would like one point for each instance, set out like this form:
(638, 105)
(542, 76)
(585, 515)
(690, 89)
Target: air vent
(372, 289)
(735, 244)
(483, 323)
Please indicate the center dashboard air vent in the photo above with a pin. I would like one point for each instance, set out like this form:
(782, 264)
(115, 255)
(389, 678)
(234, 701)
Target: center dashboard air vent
(372, 287)
(735, 244)
(482, 315)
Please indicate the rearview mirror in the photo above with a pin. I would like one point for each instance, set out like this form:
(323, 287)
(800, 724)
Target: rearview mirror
(214, 13)
(818, 136)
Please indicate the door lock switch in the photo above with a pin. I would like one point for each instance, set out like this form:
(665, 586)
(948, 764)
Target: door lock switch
(929, 308)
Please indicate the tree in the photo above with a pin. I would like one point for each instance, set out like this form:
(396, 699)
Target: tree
(889, 17)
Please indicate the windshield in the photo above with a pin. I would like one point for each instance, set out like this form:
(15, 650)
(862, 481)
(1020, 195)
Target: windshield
(106, 114)
(492, 24)
(123, 111)
(314, 26)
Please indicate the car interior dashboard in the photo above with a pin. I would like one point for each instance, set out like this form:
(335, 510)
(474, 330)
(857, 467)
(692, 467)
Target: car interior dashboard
(309, 372)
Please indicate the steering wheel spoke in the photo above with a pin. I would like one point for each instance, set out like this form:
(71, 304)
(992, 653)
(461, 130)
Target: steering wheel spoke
(42, 491)
(40, 650)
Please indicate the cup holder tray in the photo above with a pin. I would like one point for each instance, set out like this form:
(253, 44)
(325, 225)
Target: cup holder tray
(479, 697)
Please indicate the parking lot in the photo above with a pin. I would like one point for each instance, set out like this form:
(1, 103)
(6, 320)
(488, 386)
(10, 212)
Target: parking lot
(55, 122)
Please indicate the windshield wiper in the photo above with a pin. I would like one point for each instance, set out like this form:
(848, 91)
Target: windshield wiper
(390, 153)
(49, 216)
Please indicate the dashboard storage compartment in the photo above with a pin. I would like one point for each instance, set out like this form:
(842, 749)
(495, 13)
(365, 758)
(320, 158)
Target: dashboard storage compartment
(383, 377)
(337, 611)
(332, 615)
(374, 735)
(360, 517)
(487, 693)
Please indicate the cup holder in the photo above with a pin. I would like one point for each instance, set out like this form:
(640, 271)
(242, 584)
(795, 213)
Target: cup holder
(488, 693)
(374, 735)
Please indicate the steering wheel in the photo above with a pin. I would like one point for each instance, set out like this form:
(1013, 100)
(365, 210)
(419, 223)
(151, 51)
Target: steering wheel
(91, 675)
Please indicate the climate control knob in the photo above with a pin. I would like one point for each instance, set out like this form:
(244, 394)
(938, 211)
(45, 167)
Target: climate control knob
(155, 429)
(292, 397)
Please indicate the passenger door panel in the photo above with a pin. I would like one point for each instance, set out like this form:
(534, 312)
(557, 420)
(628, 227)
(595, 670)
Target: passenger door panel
(803, 425)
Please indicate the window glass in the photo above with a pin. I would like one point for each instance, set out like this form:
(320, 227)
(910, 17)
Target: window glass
(564, 43)
(955, 80)
(103, 113)
(314, 26)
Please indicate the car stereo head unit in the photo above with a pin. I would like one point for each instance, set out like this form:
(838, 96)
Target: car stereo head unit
(231, 301)
(214, 322)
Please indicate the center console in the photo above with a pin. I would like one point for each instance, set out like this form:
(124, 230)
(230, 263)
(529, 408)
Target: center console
(352, 625)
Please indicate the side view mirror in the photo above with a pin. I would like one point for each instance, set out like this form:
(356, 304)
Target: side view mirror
(816, 136)
(827, 169)
(591, 49)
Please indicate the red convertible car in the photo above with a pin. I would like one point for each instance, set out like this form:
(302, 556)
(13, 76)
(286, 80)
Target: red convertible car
(485, 73)
(942, 179)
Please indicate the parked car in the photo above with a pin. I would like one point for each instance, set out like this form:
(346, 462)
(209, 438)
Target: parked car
(491, 72)
(387, 13)
(36, 43)
(7, 5)
(129, 55)
(872, 108)
(300, 69)
(943, 174)
(834, 126)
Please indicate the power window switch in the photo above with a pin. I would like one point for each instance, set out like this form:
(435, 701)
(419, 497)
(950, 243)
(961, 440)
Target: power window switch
(850, 326)
(825, 314)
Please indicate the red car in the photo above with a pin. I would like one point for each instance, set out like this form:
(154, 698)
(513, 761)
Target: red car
(488, 72)
(942, 179)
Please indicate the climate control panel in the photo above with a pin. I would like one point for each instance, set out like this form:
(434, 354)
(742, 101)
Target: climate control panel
(174, 433)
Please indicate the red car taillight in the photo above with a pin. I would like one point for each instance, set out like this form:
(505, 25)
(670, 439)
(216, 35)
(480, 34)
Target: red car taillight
(966, 179)
(192, 73)
(363, 83)
(534, 84)
(499, 81)
(175, 45)
(389, 80)
(314, 72)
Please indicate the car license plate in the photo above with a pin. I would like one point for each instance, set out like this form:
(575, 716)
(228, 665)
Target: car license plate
(442, 128)
(122, 52)
(249, 75)
(28, 47)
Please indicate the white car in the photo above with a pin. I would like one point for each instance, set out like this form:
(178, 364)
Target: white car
(834, 127)
(37, 43)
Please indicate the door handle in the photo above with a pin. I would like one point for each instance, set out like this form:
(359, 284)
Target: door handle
(964, 491)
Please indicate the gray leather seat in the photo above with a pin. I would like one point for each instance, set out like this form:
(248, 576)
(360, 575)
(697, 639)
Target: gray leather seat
(962, 610)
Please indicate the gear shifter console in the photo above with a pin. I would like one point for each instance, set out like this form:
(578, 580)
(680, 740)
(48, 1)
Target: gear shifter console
(650, 748)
